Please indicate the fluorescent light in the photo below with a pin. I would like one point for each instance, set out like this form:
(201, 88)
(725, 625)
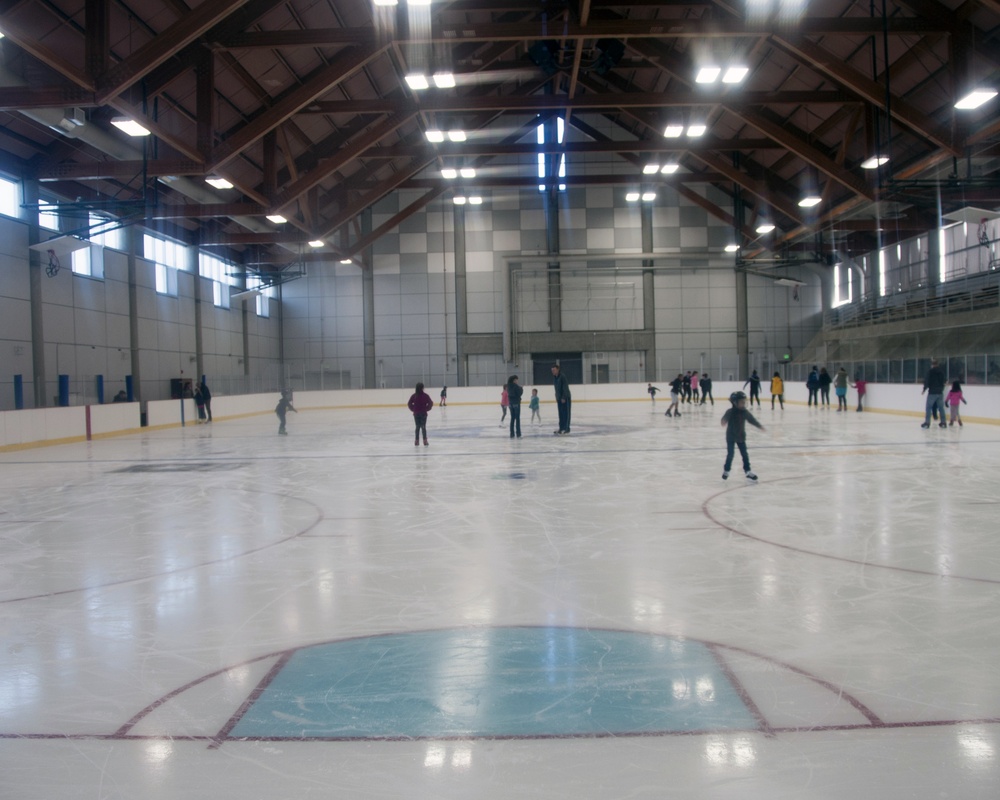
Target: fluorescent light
(673, 131)
(467, 172)
(129, 126)
(810, 201)
(632, 196)
(648, 196)
(735, 74)
(219, 183)
(449, 173)
(456, 136)
(416, 81)
(708, 75)
(670, 169)
(277, 218)
(976, 98)
(459, 201)
(475, 201)
(444, 80)
(766, 227)
(650, 169)
(316, 243)
(874, 162)
(697, 130)
(434, 136)
(732, 248)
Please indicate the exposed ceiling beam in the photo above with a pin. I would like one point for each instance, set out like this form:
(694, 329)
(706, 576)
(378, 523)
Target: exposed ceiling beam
(188, 28)
(831, 66)
(446, 32)
(322, 81)
(590, 101)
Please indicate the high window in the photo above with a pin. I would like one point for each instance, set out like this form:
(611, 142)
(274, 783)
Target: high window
(169, 257)
(543, 159)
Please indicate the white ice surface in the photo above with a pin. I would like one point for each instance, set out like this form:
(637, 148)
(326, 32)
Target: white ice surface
(865, 562)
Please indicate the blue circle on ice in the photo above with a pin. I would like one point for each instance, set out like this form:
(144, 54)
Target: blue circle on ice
(496, 682)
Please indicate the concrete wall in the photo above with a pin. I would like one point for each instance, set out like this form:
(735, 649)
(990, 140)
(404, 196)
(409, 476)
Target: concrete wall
(693, 297)
(86, 329)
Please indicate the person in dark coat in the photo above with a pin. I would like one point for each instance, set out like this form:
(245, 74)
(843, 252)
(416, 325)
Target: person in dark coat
(564, 399)
(735, 422)
(207, 397)
(934, 386)
(514, 392)
(282, 409)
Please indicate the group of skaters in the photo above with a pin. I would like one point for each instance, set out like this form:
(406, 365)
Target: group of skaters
(687, 388)
(690, 388)
(818, 384)
(420, 404)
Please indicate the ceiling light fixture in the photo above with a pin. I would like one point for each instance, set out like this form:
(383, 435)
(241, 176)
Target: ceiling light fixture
(386, 2)
(475, 201)
(346, 261)
(444, 80)
(669, 169)
(435, 136)
(976, 98)
(632, 197)
(277, 219)
(449, 173)
(735, 74)
(458, 201)
(650, 169)
(673, 131)
(810, 201)
(696, 130)
(417, 82)
(708, 74)
(456, 136)
(129, 126)
(648, 197)
(219, 183)
(467, 172)
(765, 227)
(316, 243)
(874, 162)
(732, 248)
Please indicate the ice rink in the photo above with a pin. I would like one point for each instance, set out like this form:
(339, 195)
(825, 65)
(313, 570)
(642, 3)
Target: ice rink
(217, 611)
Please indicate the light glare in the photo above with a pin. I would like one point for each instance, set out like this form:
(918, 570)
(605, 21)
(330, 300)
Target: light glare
(976, 98)
(735, 74)
(129, 126)
(874, 162)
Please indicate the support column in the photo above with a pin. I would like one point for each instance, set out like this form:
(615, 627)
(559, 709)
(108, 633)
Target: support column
(134, 248)
(461, 295)
(35, 268)
(742, 326)
(368, 308)
(194, 267)
(648, 290)
(552, 241)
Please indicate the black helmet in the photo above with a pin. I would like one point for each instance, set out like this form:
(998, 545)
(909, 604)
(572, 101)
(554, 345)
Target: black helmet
(735, 397)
